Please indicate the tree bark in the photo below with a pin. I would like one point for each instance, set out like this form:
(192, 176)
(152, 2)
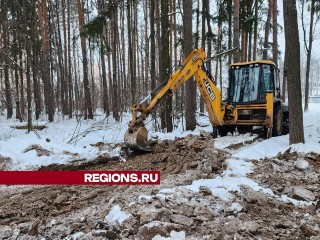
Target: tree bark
(292, 64)
(66, 72)
(152, 46)
(190, 93)
(115, 107)
(203, 39)
(70, 85)
(255, 34)
(266, 33)
(35, 53)
(165, 63)
(275, 32)
(236, 29)
(21, 74)
(88, 103)
(308, 47)
(5, 39)
(45, 38)
(132, 69)
(29, 92)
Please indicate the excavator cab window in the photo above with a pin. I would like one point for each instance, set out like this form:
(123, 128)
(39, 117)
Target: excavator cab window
(267, 79)
(249, 83)
(244, 83)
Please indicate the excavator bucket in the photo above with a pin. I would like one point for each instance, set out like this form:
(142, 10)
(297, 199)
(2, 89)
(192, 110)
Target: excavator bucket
(138, 139)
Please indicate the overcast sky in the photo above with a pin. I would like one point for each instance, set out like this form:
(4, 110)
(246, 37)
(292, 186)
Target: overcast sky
(281, 39)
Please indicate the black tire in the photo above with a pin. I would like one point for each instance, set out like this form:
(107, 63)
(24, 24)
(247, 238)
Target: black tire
(214, 133)
(277, 121)
(285, 129)
(223, 130)
(244, 129)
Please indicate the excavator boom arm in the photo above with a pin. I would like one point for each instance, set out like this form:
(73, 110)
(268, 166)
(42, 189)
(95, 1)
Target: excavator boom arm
(136, 135)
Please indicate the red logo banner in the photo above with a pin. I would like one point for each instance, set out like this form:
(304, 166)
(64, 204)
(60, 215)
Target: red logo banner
(79, 177)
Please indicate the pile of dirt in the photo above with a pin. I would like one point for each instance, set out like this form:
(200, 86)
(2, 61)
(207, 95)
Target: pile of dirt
(169, 157)
(79, 212)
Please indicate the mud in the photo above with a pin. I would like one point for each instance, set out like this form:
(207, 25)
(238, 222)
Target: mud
(78, 212)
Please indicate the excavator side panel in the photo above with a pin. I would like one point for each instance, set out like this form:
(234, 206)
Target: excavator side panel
(269, 120)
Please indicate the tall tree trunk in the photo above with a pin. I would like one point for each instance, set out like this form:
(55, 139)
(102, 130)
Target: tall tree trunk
(146, 59)
(203, 39)
(275, 32)
(76, 81)
(29, 92)
(284, 82)
(190, 97)
(21, 74)
(59, 55)
(229, 10)
(104, 81)
(5, 39)
(115, 107)
(110, 69)
(44, 26)
(219, 43)
(131, 54)
(196, 43)
(35, 53)
(210, 34)
(236, 29)
(250, 46)
(66, 73)
(16, 78)
(124, 57)
(152, 46)
(255, 33)
(88, 103)
(292, 64)
(165, 61)
(266, 32)
(69, 79)
(308, 47)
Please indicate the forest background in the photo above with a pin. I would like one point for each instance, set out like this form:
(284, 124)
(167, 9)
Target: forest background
(74, 58)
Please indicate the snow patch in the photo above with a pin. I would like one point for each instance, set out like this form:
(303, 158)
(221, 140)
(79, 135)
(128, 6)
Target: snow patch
(75, 236)
(167, 190)
(236, 207)
(173, 236)
(231, 180)
(286, 198)
(144, 198)
(116, 216)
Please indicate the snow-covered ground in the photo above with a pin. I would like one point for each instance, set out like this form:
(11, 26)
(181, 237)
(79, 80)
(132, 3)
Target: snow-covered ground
(239, 166)
(68, 140)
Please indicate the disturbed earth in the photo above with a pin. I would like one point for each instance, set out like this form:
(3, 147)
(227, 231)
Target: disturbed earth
(158, 211)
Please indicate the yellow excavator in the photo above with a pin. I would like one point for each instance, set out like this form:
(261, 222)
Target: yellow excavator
(253, 99)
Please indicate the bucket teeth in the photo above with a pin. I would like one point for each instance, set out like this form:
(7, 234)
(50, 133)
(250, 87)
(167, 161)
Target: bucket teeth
(137, 139)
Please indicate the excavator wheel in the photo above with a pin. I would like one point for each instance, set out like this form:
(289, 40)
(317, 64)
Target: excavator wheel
(214, 133)
(138, 139)
(225, 129)
(244, 129)
(277, 121)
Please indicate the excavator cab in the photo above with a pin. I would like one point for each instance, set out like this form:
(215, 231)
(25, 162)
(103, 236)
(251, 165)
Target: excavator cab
(250, 82)
(254, 93)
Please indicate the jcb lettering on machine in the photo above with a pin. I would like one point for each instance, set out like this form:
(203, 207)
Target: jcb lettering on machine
(209, 90)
